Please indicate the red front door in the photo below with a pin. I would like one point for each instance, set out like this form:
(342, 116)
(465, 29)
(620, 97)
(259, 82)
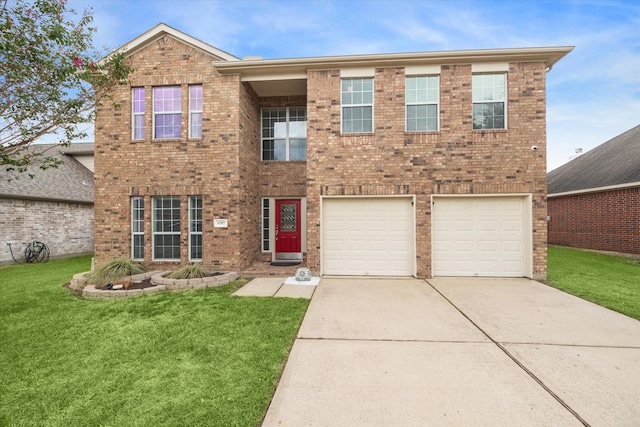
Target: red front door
(288, 226)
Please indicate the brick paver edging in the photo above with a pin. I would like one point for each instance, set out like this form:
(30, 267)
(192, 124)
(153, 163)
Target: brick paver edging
(157, 278)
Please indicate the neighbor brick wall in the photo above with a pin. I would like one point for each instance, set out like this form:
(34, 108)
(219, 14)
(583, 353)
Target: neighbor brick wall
(207, 166)
(455, 160)
(66, 228)
(607, 220)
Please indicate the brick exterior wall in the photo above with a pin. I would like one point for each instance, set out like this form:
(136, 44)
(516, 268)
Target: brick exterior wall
(607, 220)
(207, 166)
(456, 160)
(67, 228)
(224, 165)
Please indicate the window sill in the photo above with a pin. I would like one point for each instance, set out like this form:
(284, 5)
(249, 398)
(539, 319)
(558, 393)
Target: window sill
(283, 161)
(167, 140)
(422, 132)
(491, 130)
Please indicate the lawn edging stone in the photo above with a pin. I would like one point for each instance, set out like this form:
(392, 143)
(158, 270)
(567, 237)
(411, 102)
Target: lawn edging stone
(157, 278)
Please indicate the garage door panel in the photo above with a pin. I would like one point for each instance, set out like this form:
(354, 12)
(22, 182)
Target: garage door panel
(378, 238)
(478, 236)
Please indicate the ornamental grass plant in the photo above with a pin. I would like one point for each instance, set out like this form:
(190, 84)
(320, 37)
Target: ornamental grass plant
(112, 271)
(188, 271)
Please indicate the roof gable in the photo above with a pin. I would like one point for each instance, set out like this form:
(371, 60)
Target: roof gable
(616, 162)
(162, 30)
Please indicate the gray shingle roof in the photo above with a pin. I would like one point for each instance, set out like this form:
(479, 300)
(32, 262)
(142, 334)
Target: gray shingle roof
(69, 182)
(615, 162)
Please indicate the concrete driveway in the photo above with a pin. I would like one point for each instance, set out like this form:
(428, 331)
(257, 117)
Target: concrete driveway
(408, 352)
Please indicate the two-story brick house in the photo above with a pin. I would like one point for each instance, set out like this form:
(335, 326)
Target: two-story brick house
(425, 164)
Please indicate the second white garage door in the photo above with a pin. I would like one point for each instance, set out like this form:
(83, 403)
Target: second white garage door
(368, 236)
(480, 236)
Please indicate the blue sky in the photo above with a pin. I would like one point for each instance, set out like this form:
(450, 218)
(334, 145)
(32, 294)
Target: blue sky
(593, 94)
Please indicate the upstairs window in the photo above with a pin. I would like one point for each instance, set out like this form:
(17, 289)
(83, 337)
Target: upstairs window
(137, 121)
(195, 111)
(167, 117)
(284, 133)
(421, 95)
(357, 105)
(489, 101)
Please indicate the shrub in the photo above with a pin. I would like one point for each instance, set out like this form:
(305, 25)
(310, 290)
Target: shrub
(113, 270)
(188, 271)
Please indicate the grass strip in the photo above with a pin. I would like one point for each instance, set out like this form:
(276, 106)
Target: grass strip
(608, 280)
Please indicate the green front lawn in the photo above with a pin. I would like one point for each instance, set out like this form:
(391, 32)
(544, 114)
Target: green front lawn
(608, 280)
(171, 359)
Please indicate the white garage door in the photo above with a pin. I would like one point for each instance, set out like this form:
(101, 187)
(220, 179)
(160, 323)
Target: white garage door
(368, 236)
(479, 236)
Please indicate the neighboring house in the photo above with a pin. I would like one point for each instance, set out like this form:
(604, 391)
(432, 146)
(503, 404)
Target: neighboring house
(594, 200)
(55, 206)
(388, 164)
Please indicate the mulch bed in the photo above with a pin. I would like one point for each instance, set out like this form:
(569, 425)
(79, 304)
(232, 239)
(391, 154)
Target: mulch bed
(146, 283)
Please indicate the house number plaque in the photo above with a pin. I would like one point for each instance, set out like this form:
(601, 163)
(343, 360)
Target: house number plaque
(220, 223)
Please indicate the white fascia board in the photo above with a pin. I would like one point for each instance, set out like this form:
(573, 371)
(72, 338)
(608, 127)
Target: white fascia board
(595, 189)
(547, 55)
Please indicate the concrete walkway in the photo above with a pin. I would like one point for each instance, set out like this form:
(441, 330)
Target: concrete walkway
(408, 352)
(274, 287)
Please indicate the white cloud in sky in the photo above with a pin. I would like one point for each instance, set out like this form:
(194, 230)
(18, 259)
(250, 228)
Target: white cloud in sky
(593, 93)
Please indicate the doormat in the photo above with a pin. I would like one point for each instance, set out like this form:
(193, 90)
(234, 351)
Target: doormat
(285, 263)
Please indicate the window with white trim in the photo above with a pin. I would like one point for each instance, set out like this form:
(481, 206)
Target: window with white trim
(421, 96)
(195, 228)
(167, 112)
(195, 111)
(137, 228)
(166, 228)
(137, 108)
(265, 225)
(357, 105)
(284, 133)
(489, 101)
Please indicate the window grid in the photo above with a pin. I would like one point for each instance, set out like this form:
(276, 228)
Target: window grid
(166, 228)
(284, 133)
(357, 105)
(138, 102)
(195, 111)
(265, 225)
(167, 112)
(137, 228)
(489, 101)
(195, 228)
(422, 95)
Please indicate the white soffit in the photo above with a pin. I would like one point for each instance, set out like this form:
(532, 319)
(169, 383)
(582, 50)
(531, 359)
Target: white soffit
(291, 87)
